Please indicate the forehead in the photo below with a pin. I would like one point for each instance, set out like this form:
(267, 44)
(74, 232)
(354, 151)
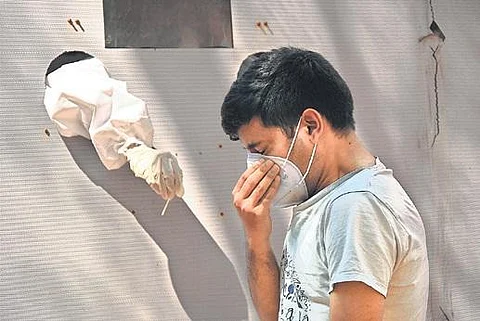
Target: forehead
(255, 132)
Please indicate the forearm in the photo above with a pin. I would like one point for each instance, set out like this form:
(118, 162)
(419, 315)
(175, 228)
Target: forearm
(263, 279)
(252, 197)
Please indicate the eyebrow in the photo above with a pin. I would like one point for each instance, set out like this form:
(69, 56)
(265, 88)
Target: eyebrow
(252, 145)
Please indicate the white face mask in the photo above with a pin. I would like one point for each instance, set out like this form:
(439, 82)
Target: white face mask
(293, 189)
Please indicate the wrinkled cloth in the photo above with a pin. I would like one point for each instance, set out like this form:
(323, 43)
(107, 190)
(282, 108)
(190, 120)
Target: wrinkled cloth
(159, 169)
(82, 100)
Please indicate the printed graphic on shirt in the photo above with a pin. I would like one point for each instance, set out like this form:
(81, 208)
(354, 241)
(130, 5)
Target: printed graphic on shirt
(294, 303)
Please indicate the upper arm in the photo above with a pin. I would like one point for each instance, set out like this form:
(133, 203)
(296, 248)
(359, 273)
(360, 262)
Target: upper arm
(355, 301)
(361, 251)
(360, 242)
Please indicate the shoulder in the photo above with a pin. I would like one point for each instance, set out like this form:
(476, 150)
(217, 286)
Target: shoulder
(372, 188)
(358, 211)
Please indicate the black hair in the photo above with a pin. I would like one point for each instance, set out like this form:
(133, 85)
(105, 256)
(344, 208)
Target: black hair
(65, 58)
(279, 85)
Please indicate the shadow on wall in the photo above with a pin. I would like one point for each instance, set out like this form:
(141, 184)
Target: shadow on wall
(204, 279)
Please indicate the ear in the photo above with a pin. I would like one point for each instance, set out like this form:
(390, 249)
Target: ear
(315, 123)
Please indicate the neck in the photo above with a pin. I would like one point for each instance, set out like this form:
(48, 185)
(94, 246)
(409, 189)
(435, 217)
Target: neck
(339, 156)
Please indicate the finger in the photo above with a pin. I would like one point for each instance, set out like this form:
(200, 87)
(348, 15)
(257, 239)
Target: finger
(166, 179)
(254, 180)
(271, 191)
(246, 174)
(161, 187)
(178, 179)
(168, 185)
(180, 191)
(262, 187)
(156, 189)
(169, 177)
(163, 194)
(154, 181)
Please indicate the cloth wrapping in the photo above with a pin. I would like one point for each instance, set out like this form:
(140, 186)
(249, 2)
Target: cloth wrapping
(82, 100)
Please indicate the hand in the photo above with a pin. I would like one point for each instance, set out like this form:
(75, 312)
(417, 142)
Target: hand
(252, 197)
(168, 178)
(159, 169)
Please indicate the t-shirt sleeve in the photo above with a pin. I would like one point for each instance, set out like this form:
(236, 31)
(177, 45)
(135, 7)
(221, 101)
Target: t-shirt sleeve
(359, 241)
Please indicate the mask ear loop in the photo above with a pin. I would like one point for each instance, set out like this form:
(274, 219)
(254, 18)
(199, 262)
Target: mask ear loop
(291, 148)
(293, 142)
(309, 163)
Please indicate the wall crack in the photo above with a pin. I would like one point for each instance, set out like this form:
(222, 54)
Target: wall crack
(435, 89)
(436, 39)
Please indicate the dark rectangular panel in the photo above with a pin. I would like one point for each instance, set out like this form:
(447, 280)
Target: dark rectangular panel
(167, 23)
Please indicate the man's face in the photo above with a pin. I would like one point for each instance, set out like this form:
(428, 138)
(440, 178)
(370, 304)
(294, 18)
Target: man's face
(257, 138)
(272, 141)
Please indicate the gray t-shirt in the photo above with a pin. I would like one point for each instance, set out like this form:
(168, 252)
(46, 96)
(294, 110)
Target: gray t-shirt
(365, 228)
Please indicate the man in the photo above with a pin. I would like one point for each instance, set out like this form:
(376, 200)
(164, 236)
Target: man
(355, 247)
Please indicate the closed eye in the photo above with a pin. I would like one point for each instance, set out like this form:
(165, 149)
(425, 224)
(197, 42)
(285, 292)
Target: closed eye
(256, 151)
(253, 148)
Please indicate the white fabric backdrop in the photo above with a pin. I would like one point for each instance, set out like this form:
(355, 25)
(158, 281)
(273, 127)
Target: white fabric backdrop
(79, 242)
